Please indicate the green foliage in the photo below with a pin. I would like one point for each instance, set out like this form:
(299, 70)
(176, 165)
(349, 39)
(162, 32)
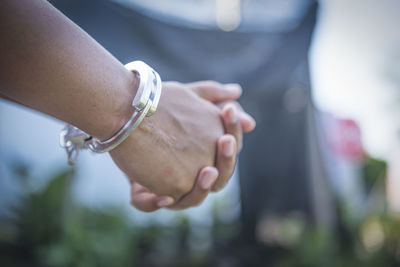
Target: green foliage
(48, 229)
(374, 172)
(372, 241)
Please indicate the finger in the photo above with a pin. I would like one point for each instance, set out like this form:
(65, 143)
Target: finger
(246, 120)
(205, 180)
(231, 120)
(143, 199)
(226, 157)
(216, 92)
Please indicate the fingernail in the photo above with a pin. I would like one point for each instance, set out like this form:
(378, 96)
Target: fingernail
(232, 114)
(228, 149)
(249, 118)
(166, 201)
(234, 88)
(207, 180)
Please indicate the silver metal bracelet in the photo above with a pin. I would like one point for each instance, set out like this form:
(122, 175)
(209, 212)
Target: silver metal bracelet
(145, 104)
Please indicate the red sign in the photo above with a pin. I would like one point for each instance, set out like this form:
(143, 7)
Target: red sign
(346, 139)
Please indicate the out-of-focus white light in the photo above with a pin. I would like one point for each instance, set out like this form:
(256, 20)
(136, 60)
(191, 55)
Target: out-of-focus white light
(228, 14)
(372, 235)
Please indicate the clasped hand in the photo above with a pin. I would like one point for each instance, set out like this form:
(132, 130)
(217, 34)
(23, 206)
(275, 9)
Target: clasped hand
(187, 148)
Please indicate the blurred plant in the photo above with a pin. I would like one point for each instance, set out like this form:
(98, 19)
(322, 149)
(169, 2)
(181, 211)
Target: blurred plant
(49, 229)
(374, 174)
(373, 241)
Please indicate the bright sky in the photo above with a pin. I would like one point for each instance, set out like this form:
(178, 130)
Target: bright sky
(356, 43)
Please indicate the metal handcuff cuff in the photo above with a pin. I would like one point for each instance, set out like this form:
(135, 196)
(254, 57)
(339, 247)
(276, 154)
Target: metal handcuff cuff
(145, 104)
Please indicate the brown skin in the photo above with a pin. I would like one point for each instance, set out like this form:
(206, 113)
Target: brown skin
(209, 178)
(51, 65)
(174, 144)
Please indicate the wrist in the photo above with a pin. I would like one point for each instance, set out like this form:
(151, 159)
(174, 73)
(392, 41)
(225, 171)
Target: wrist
(118, 109)
(113, 113)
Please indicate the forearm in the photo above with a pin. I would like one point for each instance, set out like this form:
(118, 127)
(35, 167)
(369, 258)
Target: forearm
(49, 64)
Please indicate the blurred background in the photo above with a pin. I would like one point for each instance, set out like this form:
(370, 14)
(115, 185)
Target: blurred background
(317, 183)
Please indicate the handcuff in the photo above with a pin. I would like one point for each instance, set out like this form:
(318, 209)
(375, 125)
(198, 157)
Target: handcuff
(145, 103)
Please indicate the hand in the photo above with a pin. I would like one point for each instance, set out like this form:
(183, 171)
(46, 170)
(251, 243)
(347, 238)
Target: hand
(235, 121)
(166, 152)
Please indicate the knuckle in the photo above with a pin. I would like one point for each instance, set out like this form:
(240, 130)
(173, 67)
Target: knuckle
(212, 84)
(141, 207)
(219, 94)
